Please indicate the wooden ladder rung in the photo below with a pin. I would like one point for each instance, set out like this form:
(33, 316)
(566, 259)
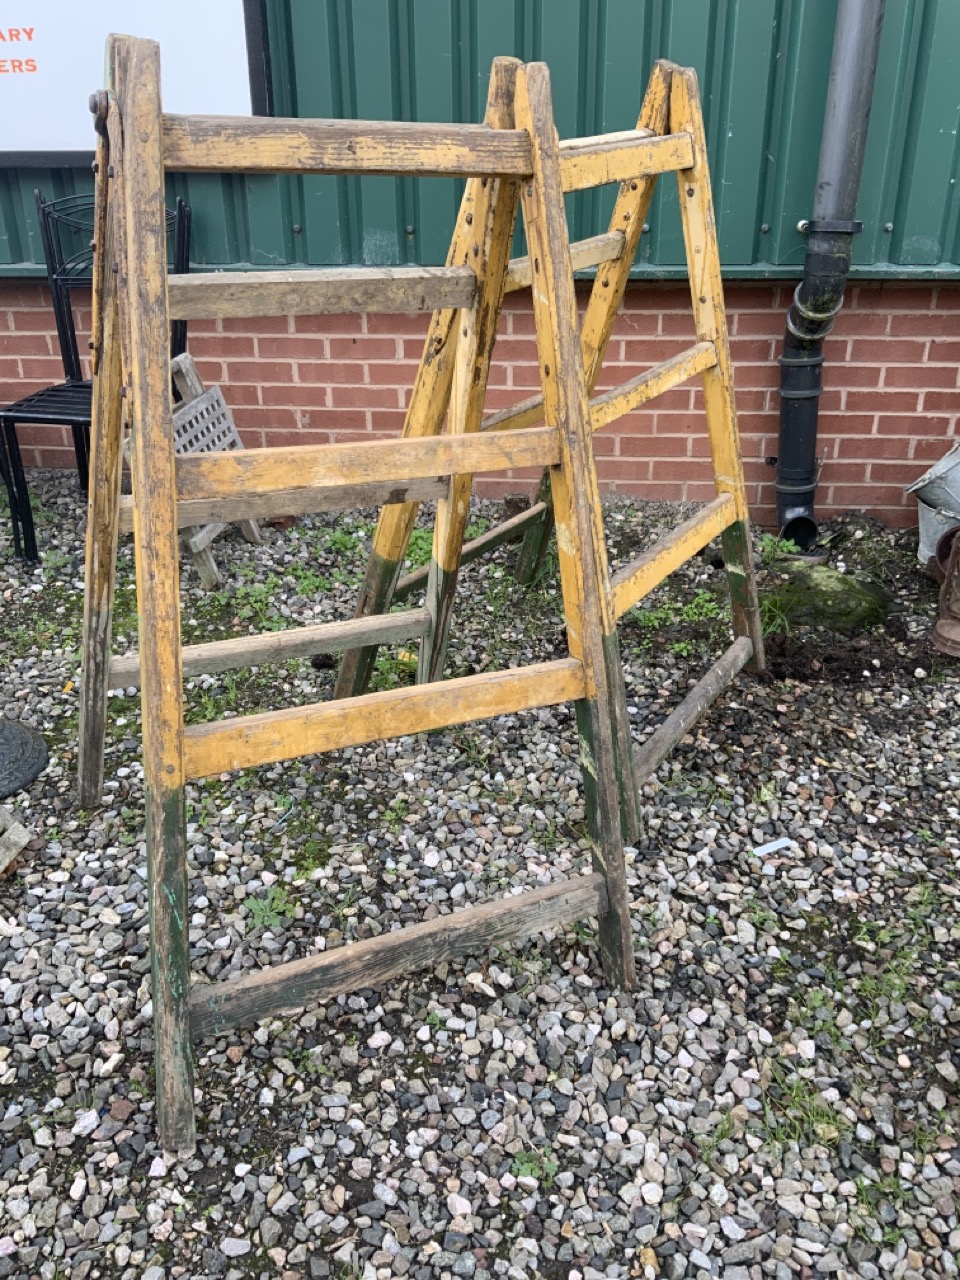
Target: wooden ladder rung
(591, 252)
(273, 736)
(278, 646)
(611, 405)
(647, 757)
(640, 576)
(241, 144)
(618, 157)
(217, 1007)
(295, 502)
(476, 547)
(245, 473)
(319, 291)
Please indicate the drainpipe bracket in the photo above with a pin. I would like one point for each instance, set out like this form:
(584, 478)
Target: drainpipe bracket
(831, 226)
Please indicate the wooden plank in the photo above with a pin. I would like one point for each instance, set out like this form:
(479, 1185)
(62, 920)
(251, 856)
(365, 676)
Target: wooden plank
(328, 726)
(583, 255)
(295, 502)
(706, 287)
(320, 291)
(278, 646)
(103, 495)
(495, 217)
(220, 1006)
(648, 756)
(245, 144)
(427, 406)
(620, 157)
(588, 611)
(243, 474)
(508, 531)
(142, 286)
(640, 576)
(613, 404)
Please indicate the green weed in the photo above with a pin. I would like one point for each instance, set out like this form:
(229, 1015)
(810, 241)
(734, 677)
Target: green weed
(774, 548)
(794, 1112)
(773, 616)
(541, 1165)
(390, 672)
(270, 911)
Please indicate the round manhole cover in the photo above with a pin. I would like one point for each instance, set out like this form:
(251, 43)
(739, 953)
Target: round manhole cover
(23, 756)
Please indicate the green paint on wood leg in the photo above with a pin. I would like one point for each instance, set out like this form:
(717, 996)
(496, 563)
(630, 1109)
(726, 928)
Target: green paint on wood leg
(742, 583)
(615, 951)
(533, 550)
(170, 967)
(376, 596)
(441, 595)
(623, 744)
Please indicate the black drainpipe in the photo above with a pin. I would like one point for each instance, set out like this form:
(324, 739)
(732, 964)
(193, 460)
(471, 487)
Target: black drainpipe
(819, 295)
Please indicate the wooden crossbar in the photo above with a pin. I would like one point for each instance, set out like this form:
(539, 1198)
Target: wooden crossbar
(322, 291)
(338, 466)
(217, 1007)
(647, 758)
(583, 254)
(278, 646)
(619, 157)
(650, 384)
(273, 736)
(239, 144)
(242, 144)
(295, 502)
(610, 405)
(640, 576)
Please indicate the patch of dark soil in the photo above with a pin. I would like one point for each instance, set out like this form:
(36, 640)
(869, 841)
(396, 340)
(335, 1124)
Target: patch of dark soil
(840, 660)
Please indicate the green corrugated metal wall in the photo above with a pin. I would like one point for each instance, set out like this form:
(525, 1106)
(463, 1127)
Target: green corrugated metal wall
(763, 71)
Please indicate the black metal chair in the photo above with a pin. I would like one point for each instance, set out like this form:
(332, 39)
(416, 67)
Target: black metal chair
(66, 231)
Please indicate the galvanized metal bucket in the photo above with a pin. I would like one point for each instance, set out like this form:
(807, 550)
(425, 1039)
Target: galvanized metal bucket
(940, 486)
(934, 523)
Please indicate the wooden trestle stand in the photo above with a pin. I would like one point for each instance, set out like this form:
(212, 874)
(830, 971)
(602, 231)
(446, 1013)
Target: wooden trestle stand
(513, 158)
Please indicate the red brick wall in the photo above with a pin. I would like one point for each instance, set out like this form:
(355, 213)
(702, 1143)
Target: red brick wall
(890, 407)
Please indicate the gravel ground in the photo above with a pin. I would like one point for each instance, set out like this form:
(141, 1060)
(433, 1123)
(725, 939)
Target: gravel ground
(778, 1098)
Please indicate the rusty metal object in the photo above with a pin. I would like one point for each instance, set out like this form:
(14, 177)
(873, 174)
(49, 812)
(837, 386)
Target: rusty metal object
(946, 633)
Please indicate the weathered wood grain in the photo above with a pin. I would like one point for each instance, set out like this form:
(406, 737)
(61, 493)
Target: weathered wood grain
(351, 722)
(243, 144)
(333, 466)
(296, 502)
(620, 157)
(706, 286)
(218, 1007)
(278, 646)
(583, 254)
(142, 287)
(103, 493)
(588, 611)
(613, 404)
(648, 756)
(319, 291)
(638, 578)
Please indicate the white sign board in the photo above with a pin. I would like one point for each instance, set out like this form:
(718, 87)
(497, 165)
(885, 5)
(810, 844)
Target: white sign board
(51, 60)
